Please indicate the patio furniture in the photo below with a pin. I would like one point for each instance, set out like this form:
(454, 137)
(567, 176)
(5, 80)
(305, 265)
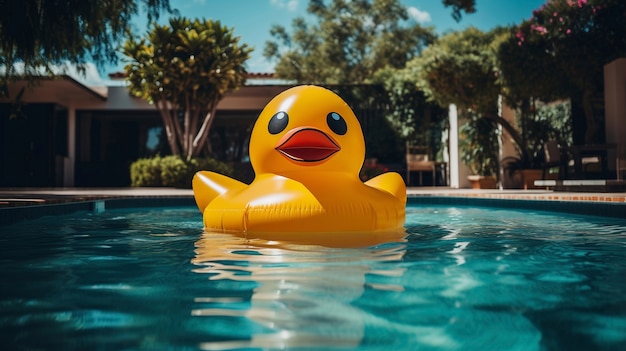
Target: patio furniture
(584, 156)
(553, 159)
(417, 161)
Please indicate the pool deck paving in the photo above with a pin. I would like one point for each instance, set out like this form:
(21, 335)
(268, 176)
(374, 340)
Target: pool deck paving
(15, 197)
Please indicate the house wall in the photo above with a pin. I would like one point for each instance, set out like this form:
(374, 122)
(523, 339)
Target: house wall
(112, 133)
(85, 136)
(615, 105)
(100, 131)
(33, 144)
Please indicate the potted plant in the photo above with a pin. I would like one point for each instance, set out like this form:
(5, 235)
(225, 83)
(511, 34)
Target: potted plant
(479, 149)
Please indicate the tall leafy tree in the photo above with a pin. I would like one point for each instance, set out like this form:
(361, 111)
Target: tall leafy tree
(408, 111)
(568, 41)
(461, 68)
(38, 34)
(185, 68)
(349, 43)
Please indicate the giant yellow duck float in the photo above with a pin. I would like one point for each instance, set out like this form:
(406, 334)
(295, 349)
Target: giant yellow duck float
(306, 149)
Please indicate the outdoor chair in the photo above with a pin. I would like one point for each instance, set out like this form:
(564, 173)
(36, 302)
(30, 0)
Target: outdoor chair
(417, 161)
(556, 157)
(552, 153)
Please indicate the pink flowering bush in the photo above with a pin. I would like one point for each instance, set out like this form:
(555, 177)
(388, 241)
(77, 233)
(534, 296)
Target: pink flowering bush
(560, 19)
(565, 45)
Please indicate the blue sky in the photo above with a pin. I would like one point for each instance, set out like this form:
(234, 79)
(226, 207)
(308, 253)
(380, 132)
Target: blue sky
(252, 19)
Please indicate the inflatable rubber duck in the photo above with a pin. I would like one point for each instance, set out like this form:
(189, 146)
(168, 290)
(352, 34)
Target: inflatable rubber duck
(306, 149)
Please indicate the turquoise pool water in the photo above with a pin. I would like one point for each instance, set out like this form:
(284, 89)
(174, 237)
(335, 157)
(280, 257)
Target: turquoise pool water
(463, 278)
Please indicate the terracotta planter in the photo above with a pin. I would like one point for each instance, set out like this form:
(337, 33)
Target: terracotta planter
(482, 182)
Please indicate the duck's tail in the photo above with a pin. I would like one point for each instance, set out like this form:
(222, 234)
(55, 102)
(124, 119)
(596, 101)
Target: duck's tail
(390, 182)
(209, 185)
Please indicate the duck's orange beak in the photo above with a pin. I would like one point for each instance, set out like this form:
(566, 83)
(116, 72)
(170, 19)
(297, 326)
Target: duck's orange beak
(307, 144)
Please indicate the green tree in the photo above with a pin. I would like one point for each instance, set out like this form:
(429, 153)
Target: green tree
(348, 44)
(185, 69)
(465, 68)
(414, 118)
(461, 68)
(521, 69)
(567, 43)
(40, 34)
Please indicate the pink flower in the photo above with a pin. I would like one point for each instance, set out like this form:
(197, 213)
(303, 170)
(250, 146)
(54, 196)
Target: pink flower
(581, 3)
(538, 28)
(568, 31)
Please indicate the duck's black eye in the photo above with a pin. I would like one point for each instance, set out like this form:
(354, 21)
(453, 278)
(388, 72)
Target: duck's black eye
(278, 122)
(336, 123)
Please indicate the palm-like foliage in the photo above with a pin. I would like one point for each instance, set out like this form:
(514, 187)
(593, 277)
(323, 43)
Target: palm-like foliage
(185, 69)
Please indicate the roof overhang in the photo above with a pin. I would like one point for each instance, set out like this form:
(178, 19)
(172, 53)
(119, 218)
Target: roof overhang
(63, 90)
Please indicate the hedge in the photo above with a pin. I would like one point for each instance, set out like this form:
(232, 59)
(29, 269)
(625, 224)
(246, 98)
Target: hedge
(172, 171)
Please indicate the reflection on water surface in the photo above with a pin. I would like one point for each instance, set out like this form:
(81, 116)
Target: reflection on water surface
(302, 294)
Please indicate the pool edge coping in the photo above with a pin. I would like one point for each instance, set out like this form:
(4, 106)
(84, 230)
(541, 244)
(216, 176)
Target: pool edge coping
(594, 208)
(16, 214)
(571, 203)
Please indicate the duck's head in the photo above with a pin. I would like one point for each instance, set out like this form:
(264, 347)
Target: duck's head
(307, 129)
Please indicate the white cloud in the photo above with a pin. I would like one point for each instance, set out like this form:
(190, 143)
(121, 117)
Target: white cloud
(418, 15)
(290, 5)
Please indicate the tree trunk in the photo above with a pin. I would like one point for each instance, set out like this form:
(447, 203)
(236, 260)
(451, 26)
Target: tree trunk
(186, 139)
(521, 143)
(186, 133)
(579, 127)
(203, 132)
(592, 127)
(170, 132)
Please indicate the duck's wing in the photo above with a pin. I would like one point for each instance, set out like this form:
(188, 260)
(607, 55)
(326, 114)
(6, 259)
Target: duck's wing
(390, 182)
(209, 185)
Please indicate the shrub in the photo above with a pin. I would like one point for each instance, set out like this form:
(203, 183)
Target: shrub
(172, 171)
(146, 172)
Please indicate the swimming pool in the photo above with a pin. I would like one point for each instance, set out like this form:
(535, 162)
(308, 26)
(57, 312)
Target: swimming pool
(463, 278)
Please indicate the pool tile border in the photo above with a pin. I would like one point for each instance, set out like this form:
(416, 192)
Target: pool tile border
(585, 204)
(11, 215)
